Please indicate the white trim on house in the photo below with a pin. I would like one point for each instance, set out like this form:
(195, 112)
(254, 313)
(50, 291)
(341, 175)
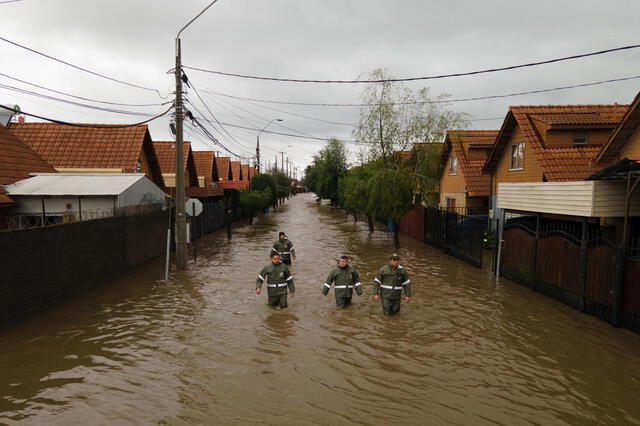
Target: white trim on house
(597, 198)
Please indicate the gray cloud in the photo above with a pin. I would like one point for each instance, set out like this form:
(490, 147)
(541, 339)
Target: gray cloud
(133, 41)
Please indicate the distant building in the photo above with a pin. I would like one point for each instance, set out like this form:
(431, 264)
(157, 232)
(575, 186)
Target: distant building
(206, 168)
(224, 168)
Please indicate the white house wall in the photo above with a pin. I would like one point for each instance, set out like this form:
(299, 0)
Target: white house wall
(609, 199)
(32, 205)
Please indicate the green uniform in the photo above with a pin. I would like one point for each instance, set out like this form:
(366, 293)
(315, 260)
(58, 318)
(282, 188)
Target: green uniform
(278, 280)
(285, 249)
(345, 280)
(389, 284)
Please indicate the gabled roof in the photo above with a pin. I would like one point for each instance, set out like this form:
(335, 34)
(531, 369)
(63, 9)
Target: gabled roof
(224, 168)
(206, 165)
(166, 153)
(625, 128)
(245, 172)
(74, 147)
(458, 142)
(558, 163)
(18, 160)
(236, 170)
(58, 184)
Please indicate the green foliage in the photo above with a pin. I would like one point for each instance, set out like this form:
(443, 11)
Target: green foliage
(390, 192)
(354, 189)
(395, 117)
(283, 183)
(323, 175)
(253, 200)
(263, 181)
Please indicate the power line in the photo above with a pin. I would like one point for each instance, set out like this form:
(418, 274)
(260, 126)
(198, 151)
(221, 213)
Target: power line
(213, 138)
(432, 77)
(66, 101)
(92, 126)
(10, 1)
(80, 68)
(79, 97)
(477, 98)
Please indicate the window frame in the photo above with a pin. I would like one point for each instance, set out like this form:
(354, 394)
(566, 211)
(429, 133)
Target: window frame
(453, 160)
(586, 137)
(518, 146)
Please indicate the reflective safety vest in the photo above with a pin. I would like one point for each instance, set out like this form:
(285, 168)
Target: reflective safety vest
(390, 281)
(284, 248)
(278, 279)
(345, 280)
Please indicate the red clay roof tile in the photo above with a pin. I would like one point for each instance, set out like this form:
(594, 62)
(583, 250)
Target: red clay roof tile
(477, 184)
(18, 160)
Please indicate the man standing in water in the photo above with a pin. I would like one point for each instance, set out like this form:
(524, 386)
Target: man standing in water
(345, 279)
(284, 248)
(279, 279)
(388, 285)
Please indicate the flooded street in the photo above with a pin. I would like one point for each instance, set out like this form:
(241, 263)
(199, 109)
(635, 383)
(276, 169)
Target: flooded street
(205, 349)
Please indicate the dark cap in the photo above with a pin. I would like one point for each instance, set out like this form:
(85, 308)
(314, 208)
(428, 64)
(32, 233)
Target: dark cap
(345, 257)
(281, 233)
(394, 257)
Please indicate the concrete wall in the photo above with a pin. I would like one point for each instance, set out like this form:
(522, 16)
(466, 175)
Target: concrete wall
(45, 266)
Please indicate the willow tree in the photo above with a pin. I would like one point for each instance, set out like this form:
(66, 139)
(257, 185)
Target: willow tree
(354, 191)
(326, 170)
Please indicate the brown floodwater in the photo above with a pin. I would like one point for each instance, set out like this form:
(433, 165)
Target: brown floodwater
(205, 349)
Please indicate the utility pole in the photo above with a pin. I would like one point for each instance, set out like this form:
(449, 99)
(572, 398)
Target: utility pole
(282, 162)
(258, 151)
(181, 220)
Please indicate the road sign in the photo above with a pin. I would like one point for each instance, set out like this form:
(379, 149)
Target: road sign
(193, 207)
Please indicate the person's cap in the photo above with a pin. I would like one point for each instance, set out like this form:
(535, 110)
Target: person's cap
(345, 257)
(394, 257)
(281, 233)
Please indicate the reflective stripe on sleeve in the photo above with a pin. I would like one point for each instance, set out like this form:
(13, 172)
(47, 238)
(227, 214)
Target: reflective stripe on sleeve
(260, 277)
(406, 282)
(290, 278)
(377, 280)
(327, 285)
(358, 283)
(272, 249)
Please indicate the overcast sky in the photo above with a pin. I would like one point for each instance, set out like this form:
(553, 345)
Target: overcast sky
(133, 40)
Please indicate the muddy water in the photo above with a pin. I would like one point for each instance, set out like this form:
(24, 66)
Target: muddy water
(205, 349)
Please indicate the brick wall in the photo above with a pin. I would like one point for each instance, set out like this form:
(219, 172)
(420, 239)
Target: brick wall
(44, 266)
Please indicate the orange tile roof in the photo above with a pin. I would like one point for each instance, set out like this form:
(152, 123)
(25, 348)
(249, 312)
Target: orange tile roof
(206, 165)
(558, 163)
(83, 147)
(252, 172)
(245, 172)
(4, 198)
(18, 160)
(458, 141)
(199, 192)
(166, 153)
(623, 131)
(223, 165)
(236, 170)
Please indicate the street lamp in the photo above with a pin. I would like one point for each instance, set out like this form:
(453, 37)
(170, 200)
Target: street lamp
(181, 221)
(258, 141)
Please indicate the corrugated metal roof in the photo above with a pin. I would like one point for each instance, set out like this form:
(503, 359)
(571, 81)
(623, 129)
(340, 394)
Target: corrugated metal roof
(74, 184)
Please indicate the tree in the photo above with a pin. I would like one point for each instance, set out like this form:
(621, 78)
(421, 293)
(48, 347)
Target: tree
(354, 189)
(390, 195)
(283, 183)
(253, 200)
(263, 181)
(328, 166)
(394, 117)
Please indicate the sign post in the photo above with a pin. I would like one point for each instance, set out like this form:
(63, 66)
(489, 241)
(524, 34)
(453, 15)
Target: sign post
(193, 208)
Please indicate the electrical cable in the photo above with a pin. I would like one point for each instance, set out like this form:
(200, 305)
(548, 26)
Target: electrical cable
(79, 97)
(92, 126)
(81, 68)
(432, 77)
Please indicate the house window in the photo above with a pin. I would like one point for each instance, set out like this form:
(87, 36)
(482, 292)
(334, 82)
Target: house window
(580, 137)
(453, 166)
(517, 156)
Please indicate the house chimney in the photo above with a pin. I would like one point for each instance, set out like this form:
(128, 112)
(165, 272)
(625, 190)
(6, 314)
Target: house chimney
(21, 119)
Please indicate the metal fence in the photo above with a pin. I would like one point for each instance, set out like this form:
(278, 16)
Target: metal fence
(579, 263)
(457, 234)
(25, 221)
